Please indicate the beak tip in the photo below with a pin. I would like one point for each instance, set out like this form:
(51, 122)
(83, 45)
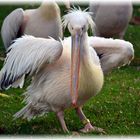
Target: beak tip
(74, 103)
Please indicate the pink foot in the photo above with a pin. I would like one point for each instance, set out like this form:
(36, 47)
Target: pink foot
(89, 128)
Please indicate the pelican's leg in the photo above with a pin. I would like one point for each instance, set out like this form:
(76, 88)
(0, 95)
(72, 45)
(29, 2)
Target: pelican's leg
(60, 116)
(88, 127)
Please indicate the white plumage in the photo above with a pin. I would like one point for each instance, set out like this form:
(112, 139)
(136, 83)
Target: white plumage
(49, 62)
(27, 55)
(113, 53)
(50, 87)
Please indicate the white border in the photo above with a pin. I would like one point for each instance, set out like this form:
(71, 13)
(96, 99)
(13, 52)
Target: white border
(82, 1)
(60, 137)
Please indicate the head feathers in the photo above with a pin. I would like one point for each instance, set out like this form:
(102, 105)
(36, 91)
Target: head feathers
(77, 12)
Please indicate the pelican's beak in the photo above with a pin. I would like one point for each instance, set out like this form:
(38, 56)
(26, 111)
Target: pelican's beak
(75, 67)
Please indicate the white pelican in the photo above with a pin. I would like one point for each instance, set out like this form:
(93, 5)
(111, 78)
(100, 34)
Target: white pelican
(56, 81)
(41, 22)
(111, 19)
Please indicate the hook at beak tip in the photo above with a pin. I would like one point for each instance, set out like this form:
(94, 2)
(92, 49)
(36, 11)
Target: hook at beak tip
(74, 103)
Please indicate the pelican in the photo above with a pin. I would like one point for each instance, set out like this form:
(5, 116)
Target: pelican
(111, 19)
(41, 22)
(64, 76)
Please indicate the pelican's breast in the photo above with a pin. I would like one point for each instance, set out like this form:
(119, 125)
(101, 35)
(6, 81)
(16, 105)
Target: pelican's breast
(91, 81)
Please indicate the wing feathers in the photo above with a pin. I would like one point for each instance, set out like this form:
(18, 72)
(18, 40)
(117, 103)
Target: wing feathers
(11, 26)
(27, 55)
(113, 52)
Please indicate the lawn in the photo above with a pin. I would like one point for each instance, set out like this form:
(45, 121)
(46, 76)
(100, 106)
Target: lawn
(116, 108)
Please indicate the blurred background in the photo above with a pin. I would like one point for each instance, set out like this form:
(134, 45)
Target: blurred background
(132, 33)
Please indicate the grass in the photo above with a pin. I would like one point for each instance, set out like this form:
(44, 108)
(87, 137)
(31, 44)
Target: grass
(116, 108)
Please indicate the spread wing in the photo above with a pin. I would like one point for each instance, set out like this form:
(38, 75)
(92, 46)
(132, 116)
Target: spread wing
(26, 56)
(11, 26)
(113, 53)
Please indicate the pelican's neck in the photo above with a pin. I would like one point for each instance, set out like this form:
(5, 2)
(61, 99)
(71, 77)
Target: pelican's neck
(84, 48)
(91, 75)
(50, 10)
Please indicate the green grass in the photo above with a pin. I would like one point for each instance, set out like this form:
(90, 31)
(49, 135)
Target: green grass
(133, 35)
(116, 108)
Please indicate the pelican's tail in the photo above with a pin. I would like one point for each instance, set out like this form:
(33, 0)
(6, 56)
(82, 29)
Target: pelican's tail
(35, 104)
(29, 112)
(33, 107)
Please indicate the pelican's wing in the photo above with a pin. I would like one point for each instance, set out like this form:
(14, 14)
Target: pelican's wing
(11, 26)
(26, 56)
(113, 53)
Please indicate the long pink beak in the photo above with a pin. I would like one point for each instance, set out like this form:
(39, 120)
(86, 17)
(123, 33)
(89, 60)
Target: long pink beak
(75, 68)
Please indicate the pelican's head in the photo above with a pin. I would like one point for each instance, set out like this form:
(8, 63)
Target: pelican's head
(78, 22)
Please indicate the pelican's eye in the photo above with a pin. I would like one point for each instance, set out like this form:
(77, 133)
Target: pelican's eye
(71, 27)
(83, 28)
